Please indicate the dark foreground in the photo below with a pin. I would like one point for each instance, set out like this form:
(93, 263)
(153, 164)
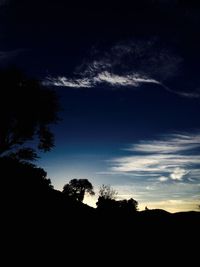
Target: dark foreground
(37, 218)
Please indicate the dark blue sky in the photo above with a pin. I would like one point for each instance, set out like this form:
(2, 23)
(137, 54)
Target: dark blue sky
(129, 87)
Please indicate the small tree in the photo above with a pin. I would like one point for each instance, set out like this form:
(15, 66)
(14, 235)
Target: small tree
(107, 192)
(107, 201)
(130, 205)
(77, 188)
(107, 196)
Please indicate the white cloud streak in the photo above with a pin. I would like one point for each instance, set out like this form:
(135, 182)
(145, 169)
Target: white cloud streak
(172, 143)
(65, 82)
(172, 158)
(127, 65)
(126, 80)
(114, 80)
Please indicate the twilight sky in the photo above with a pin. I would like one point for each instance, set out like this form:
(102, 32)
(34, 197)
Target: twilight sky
(129, 86)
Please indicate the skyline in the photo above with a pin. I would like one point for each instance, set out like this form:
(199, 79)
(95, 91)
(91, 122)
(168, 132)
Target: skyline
(129, 88)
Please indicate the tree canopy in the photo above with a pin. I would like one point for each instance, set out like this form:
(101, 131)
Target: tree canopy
(77, 188)
(23, 179)
(107, 192)
(27, 108)
(107, 201)
(107, 196)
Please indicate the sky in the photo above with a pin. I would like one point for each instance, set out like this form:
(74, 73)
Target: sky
(128, 82)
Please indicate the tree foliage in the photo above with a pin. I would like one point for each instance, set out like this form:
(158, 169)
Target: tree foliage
(107, 196)
(130, 205)
(107, 192)
(77, 188)
(21, 178)
(107, 201)
(27, 108)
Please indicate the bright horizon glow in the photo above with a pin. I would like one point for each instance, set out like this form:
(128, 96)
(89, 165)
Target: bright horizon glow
(171, 206)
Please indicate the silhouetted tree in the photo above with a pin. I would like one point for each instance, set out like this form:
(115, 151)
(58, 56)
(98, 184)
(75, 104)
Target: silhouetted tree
(107, 196)
(77, 188)
(129, 206)
(107, 192)
(24, 181)
(27, 108)
(107, 201)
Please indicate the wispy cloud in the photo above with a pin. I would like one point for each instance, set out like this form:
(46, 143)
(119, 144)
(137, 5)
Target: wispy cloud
(67, 82)
(195, 94)
(168, 144)
(178, 174)
(174, 158)
(133, 80)
(127, 64)
(163, 179)
(7, 56)
(161, 173)
(126, 80)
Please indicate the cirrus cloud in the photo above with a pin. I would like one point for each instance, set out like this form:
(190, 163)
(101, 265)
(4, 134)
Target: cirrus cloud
(111, 79)
(174, 158)
(127, 64)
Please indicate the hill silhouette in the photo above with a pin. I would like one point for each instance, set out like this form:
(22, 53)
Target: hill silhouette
(29, 194)
(39, 217)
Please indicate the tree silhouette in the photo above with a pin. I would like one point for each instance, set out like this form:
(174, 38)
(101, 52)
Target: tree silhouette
(27, 108)
(107, 192)
(106, 199)
(77, 188)
(129, 206)
(24, 182)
